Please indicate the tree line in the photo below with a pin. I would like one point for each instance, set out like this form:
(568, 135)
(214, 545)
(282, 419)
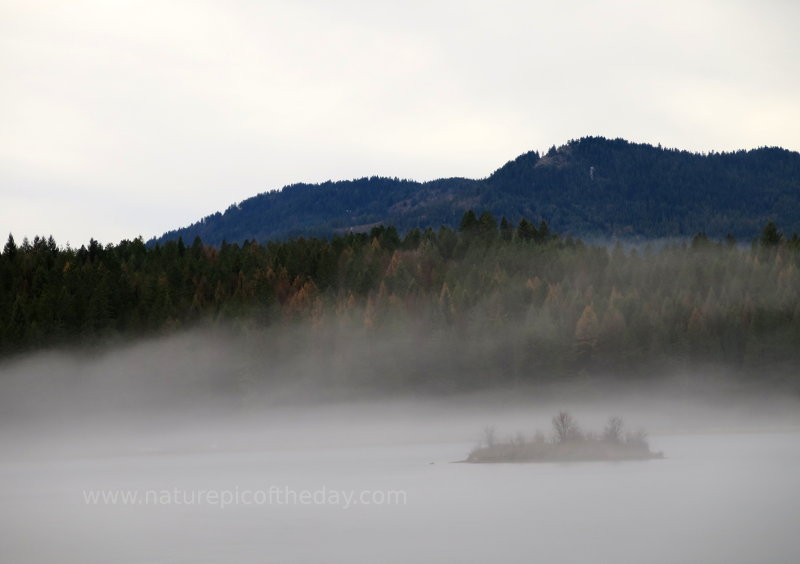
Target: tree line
(518, 302)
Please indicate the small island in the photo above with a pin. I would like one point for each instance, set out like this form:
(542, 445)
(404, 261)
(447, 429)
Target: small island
(568, 444)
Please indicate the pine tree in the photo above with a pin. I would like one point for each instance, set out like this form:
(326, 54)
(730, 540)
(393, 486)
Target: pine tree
(770, 236)
(506, 229)
(10, 249)
(487, 227)
(526, 231)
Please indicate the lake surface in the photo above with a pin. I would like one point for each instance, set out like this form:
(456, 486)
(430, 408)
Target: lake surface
(716, 497)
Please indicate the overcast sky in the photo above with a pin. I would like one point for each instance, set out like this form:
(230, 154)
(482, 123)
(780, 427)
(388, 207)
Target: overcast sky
(127, 118)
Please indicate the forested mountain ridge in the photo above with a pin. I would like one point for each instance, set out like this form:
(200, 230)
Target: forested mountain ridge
(592, 187)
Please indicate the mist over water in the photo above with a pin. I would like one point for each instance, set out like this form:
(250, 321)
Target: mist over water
(181, 419)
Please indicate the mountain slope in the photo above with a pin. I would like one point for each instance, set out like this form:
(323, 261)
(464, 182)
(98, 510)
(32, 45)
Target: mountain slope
(590, 187)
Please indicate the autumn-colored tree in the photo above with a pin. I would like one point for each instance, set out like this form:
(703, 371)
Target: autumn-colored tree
(587, 330)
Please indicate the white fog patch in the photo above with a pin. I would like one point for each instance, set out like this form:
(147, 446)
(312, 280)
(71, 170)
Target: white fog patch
(158, 451)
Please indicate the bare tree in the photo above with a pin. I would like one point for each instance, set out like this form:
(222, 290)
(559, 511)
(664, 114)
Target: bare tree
(613, 431)
(565, 428)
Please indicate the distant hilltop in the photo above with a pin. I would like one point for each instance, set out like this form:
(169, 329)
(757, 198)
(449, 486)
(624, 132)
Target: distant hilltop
(592, 187)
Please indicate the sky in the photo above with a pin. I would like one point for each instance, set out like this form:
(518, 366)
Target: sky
(128, 118)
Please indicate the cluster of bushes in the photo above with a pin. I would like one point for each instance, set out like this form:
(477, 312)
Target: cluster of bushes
(568, 443)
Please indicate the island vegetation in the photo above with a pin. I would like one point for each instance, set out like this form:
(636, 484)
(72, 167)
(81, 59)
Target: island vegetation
(568, 443)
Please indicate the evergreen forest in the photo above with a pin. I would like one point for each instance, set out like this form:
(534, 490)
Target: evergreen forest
(485, 303)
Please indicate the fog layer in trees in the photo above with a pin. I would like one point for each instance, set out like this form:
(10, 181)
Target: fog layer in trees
(437, 309)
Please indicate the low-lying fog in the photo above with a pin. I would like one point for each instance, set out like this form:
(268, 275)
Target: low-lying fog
(147, 454)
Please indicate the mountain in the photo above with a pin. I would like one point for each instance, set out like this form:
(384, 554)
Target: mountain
(592, 187)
